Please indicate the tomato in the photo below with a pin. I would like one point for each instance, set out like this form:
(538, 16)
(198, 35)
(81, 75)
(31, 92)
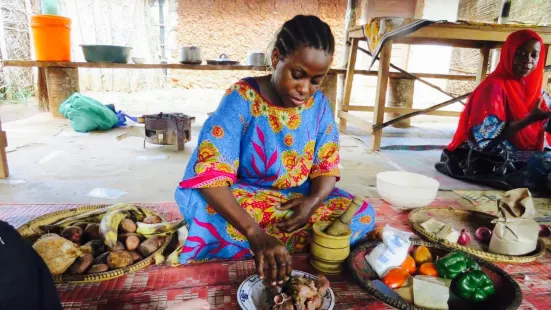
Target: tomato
(428, 269)
(409, 265)
(422, 255)
(396, 277)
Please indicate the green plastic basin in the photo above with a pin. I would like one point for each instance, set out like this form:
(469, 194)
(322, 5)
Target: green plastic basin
(106, 53)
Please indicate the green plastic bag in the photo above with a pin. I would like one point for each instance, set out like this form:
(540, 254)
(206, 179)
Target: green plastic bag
(87, 114)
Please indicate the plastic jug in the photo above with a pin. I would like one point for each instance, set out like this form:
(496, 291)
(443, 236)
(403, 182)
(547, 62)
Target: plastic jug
(49, 7)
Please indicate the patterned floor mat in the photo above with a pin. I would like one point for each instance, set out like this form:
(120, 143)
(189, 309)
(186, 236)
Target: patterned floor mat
(158, 287)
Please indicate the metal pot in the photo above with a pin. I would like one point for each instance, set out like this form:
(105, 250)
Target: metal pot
(256, 59)
(190, 55)
(222, 60)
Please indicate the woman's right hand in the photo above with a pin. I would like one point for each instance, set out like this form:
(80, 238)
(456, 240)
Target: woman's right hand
(273, 262)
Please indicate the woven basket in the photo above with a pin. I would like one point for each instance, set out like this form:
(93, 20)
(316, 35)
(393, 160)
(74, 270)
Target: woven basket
(32, 232)
(508, 295)
(470, 221)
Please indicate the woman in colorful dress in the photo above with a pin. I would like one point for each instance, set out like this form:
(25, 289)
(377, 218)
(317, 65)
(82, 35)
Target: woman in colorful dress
(510, 106)
(267, 161)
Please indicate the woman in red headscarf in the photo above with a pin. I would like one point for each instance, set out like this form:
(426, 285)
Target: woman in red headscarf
(510, 106)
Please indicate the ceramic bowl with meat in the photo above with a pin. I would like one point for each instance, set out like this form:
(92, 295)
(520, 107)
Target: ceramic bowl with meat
(303, 291)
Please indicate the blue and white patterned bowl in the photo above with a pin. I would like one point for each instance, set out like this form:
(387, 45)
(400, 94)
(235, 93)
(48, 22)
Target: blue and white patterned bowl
(252, 294)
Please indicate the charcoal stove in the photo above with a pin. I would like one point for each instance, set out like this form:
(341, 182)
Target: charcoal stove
(167, 129)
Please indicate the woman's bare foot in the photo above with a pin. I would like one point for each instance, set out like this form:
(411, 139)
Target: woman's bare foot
(191, 304)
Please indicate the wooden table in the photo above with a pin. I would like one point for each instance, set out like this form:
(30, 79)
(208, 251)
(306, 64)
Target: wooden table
(61, 79)
(481, 37)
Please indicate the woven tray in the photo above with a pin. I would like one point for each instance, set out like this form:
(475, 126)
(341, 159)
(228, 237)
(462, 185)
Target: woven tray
(470, 221)
(32, 232)
(508, 295)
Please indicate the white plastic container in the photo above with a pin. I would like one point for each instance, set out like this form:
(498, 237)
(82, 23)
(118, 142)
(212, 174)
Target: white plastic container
(406, 190)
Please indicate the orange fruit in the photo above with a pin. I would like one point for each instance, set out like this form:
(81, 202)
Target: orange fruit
(422, 255)
(396, 277)
(409, 265)
(428, 269)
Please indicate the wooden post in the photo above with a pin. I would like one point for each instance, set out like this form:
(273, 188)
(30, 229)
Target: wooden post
(4, 171)
(42, 90)
(349, 78)
(380, 97)
(363, 12)
(329, 89)
(400, 95)
(349, 22)
(3, 56)
(483, 65)
(61, 83)
(39, 76)
(502, 19)
(419, 8)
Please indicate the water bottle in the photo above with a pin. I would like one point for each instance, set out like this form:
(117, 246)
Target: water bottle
(49, 7)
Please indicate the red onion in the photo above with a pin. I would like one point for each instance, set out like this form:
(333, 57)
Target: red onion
(483, 234)
(464, 238)
(545, 231)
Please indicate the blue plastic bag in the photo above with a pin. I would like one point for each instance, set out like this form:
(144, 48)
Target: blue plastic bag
(87, 114)
(122, 118)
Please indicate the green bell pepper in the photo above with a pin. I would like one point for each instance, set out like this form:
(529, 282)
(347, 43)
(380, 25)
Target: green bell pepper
(454, 264)
(474, 286)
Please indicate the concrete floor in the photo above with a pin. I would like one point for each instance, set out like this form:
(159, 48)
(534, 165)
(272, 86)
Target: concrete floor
(50, 163)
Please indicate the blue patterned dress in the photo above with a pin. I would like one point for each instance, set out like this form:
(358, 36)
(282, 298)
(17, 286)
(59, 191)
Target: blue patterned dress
(538, 165)
(267, 155)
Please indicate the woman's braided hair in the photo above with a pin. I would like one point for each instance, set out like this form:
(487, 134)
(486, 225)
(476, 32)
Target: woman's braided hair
(304, 31)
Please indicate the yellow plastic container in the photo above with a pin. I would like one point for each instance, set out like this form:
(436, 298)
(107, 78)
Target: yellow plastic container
(52, 37)
(328, 253)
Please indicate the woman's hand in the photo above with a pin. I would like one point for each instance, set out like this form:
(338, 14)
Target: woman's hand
(538, 114)
(303, 208)
(273, 262)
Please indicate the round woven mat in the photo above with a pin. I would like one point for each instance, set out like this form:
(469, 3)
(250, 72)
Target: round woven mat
(470, 221)
(32, 232)
(508, 295)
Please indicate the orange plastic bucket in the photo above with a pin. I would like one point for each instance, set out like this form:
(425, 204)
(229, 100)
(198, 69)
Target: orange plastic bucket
(52, 37)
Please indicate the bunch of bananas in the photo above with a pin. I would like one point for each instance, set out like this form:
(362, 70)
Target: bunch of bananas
(159, 229)
(166, 229)
(109, 226)
(96, 216)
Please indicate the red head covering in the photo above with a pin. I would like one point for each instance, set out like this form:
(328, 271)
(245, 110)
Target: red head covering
(507, 97)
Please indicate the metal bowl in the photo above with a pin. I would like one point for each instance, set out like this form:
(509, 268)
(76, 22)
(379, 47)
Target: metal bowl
(106, 53)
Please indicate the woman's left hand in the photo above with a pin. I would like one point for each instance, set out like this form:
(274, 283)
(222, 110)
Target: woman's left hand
(303, 208)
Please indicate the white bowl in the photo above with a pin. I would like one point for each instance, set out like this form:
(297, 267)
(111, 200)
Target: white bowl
(406, 190)
(252, 294)
(138, 60)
